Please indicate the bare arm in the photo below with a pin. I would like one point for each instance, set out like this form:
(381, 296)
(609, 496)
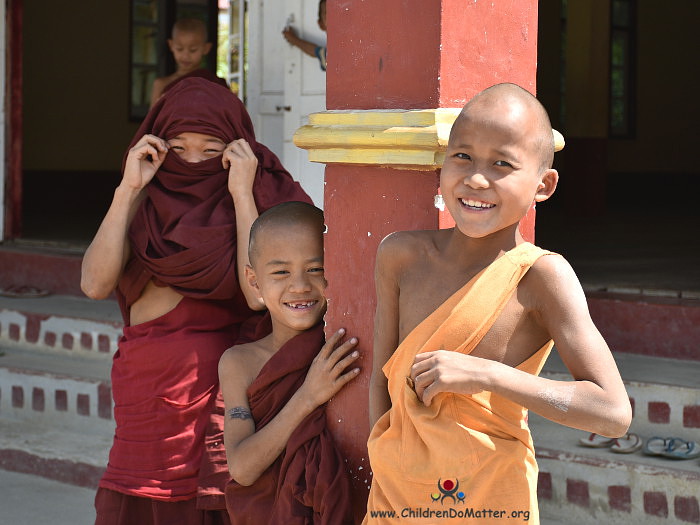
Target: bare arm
(108, 252)
(242, 163)
(595, 401)
(249, 452)
(386, 327)
(307, 47)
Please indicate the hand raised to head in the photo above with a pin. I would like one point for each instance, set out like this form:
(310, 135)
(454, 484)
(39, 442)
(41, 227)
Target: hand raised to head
(242, 165)
(143, 160)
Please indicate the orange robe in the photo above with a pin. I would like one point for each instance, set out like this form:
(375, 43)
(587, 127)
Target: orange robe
(466, 457)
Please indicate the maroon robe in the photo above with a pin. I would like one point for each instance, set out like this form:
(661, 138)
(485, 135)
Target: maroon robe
(308, 483)
(197, 73)
(164, 377)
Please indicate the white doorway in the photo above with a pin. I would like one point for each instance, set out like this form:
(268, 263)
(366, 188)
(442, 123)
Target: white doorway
(283, 85)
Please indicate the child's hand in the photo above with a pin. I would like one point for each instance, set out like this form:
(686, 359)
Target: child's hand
(325, 377)
(445, 371)
(290, 35)
(242, 165)
(143, 161)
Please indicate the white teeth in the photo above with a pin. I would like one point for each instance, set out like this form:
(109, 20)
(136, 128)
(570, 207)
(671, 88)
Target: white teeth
(476, 204)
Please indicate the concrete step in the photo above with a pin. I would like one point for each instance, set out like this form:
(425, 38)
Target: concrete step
(35, 500)
(593, 486)
(56, 409)
(62, 324)
(52, 266)
(77, 457)
(63, 392)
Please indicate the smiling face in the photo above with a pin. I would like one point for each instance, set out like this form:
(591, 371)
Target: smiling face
(494, 168)
(287, 272)
(196, 147)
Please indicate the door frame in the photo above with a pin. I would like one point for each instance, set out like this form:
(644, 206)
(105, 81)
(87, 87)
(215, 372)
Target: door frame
(11, 198)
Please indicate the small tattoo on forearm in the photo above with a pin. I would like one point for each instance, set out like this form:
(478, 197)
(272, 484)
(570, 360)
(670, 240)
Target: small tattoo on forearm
(239, 413)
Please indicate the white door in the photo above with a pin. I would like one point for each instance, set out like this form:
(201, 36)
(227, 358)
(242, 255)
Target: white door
(284, 86)
(264, 77)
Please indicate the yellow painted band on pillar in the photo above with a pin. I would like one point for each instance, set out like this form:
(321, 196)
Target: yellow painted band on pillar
(409, 139)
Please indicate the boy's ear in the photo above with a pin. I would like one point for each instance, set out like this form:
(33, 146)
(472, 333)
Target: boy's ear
(547, 185)
(252, 278)
(170, 44)
(207, 48)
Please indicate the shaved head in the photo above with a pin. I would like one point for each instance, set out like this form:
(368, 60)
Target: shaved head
(191, 25)
(513, 102)
(291, 215)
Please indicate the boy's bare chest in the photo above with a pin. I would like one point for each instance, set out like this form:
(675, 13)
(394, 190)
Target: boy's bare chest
(509, 339)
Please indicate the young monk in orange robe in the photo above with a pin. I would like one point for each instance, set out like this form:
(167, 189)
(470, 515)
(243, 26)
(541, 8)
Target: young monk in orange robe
(465, 320)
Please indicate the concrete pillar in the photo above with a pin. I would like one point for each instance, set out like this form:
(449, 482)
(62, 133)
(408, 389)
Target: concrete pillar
(398, 73)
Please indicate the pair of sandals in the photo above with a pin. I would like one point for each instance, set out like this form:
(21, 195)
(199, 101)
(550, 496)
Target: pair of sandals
(672, 448)
(626, 444)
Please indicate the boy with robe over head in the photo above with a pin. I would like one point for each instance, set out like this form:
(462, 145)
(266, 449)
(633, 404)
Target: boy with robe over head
(194, 180)
(189, 45)
(284, 464)
(465, 320)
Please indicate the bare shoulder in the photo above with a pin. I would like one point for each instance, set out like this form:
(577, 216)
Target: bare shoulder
(552, 286)
(239, 362)
(553, 271)
(401, 248)
(159, 84)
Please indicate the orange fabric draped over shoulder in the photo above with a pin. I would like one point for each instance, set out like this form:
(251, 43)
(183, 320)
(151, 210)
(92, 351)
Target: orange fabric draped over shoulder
(463, 451)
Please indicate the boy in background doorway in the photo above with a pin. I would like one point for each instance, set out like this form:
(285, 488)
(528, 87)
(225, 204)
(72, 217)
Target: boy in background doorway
(309, 48)
(189, 45)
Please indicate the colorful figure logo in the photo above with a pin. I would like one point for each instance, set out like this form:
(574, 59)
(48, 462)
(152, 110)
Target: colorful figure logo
(448, 489)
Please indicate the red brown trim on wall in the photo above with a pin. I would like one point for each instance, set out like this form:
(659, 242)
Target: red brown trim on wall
(13, 181)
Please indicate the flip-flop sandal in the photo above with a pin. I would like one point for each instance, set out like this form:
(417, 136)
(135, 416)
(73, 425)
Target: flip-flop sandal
(657, 446)
(628, 444)
(596, 441)
(23, 292)
(681, 449)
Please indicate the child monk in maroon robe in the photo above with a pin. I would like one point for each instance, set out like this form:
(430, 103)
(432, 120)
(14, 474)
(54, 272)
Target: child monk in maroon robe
(284, 464)
(194, 180)
(189, 45)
